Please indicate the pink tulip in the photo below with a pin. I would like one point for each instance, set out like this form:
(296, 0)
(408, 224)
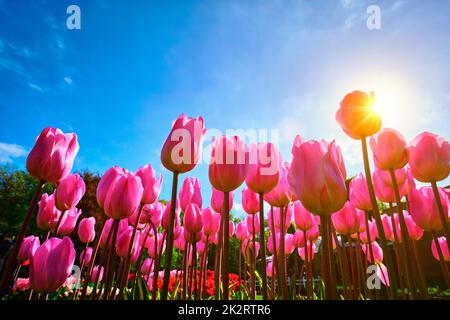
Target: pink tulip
(190, 192)
(250, 201)
(51, 264)
(124, 196)
(86, 256)
(429, 157)
(424, 210)
(180, 242)
(303, 219)
(86, 230)
(389, 149)
(247, 249)
(69, 221)
(346, 220)
(250, 221)
(211, 222)
(123, 224)
(192, 237)
(48, 215)
(231, 228)
(281, 195)
(69, 192)
(313, 233)
(241, 231)
(289, 243)
(107, 182)
(357, 116)
(359, 193)
(415, 232)
(229, 163)
(146, 265)
(52, 156)
(317, 176)
(387, 227)
(302, 252)
(201, 248)
(183, 147)
(151, 184)
(165, 221)
(193, 218)
(217, 200)
(264, 170)
(95, 272)
(159, 246)
(362, 220)
(132, 219)
(28, 248)
(269, 267)
(123, 243)
(384, 189)
(444, 249)
(288, 212)
(377, 252)
(152, 213)
(373, 233)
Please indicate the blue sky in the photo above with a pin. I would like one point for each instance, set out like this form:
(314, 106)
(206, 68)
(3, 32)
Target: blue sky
(133, 67)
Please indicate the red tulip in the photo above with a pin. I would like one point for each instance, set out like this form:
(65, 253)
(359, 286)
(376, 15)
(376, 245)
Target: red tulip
(264, 170)
(51, 264)
(317, 176)
(389, 149)
(190, 193)
(359, 193)
(281, 195)
(151, 184)
(229, 163)
(183, 147)
(250, 201)
(424, 210)
(69, 192)
(357, 116)
(52, 156)
(429, 157)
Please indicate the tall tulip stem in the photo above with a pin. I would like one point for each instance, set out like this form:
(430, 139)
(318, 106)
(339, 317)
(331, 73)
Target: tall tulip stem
(325, 223)
(169, 246)
(263, 245)
(444, 219)
(376, 215)
(7, 271)
(226, 243)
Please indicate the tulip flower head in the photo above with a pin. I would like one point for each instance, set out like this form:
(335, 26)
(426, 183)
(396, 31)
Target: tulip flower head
(69, 192)
(359, 193)
(211, 221)
(444, 249)
(357, 115)
(48, 215)
(52, 156)
(190, 193)
(193, 218)
(183, 147)
(281, 195)
(150, 183)
(28, 248)
(303, 219)
(389, 149)
(429, 157)
(51, 264)
(86, 230)
(229, 163)
(317, 176)
(250, 201)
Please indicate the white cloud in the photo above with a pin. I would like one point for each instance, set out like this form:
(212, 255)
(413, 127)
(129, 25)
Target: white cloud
(346, 3)
(34, 86)
(9, 151)
(68, 80)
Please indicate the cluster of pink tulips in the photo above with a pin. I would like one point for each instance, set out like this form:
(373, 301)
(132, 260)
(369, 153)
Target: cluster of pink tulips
(315, 213)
